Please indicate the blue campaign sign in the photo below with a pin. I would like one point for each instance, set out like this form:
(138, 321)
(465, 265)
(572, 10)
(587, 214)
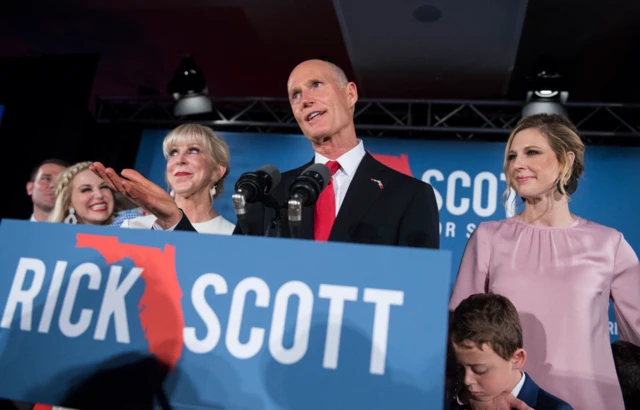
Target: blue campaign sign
(467, 177)
(93, 314)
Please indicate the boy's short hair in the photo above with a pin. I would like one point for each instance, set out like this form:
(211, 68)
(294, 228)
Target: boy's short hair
(487, 318)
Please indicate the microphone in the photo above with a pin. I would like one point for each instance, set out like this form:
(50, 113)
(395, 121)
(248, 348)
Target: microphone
(304, 191)
(252, 187)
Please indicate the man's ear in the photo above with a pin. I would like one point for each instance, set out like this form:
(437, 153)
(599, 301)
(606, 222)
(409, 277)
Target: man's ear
(352, 94)
(519, 358)
(30, 188)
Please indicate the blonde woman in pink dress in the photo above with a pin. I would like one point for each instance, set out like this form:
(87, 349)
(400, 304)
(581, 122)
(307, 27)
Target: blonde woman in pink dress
(559, 270)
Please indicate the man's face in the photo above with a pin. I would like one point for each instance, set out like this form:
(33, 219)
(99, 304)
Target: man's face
(41, 189)
(321, 105)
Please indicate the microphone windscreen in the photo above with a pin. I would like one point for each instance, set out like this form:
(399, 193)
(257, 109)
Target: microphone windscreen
(321, 169)
(273, 173)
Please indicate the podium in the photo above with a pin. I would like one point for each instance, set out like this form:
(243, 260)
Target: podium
(100, 317)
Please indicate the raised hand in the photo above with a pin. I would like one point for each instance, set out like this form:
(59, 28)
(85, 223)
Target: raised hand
(142, 192)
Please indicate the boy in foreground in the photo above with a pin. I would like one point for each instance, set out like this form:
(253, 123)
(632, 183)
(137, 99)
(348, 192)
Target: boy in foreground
(486, 337)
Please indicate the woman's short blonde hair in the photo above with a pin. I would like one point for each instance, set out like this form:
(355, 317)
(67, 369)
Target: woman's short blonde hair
(63, 190)
(562, 137)
(214, 146)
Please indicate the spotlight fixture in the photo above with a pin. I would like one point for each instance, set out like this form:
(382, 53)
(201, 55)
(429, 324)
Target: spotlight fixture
(548, 93)
(547, 88)
(189, 89)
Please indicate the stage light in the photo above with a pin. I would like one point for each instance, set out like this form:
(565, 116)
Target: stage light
(547, 96)
(189, 88)
(546, 93)
(544, 107)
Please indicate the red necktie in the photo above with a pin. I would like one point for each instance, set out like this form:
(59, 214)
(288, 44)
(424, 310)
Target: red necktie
(325, 209)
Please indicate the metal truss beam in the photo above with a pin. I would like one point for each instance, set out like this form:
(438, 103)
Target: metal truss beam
(424, 119)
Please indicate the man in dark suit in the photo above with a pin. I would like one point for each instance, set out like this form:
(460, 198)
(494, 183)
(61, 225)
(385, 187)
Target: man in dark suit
(365, 202)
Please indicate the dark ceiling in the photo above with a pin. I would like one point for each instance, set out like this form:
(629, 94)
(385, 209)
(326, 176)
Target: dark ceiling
(471, 49)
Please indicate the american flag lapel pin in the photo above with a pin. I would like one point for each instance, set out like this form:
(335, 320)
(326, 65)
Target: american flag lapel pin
(378, 182)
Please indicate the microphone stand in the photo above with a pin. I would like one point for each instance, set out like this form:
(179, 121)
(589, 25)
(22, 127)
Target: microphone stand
(274, 230)
(275, 226)
(240, 205)
(295, 216)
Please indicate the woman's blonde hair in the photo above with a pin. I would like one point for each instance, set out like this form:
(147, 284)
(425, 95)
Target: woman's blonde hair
(563, 138)
(214, 146)
(63, 190)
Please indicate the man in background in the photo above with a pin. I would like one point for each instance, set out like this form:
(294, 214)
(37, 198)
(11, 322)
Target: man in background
(41, 187)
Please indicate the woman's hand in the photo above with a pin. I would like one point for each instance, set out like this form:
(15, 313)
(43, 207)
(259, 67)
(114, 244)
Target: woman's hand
(142, 192)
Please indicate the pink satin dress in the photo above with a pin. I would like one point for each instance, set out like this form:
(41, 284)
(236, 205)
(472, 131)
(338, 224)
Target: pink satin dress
(561, 281)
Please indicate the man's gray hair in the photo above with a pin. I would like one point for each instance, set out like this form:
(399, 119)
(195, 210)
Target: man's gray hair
(341, 77)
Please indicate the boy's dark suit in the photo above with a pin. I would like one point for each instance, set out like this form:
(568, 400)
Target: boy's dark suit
(533, 396)
(382, 206)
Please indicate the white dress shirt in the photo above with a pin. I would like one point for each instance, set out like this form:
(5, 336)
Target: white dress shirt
(516, 390)
(349, 162)
(33, 218)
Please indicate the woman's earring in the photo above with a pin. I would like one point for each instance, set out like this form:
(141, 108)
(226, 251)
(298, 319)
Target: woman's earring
(172, 194)
(213, 191)
(71, 218)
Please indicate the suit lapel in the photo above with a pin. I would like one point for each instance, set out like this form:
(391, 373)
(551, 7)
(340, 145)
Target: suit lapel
(361, 195)
(529, 392)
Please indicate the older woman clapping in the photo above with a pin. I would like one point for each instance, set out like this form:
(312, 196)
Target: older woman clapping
(197, 165)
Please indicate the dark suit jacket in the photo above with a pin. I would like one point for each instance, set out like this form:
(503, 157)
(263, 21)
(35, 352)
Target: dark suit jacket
(533, 396)
(402, 212)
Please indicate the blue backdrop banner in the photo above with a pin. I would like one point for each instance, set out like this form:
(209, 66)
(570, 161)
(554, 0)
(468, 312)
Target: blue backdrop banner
(467, 177)
(85, 310)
